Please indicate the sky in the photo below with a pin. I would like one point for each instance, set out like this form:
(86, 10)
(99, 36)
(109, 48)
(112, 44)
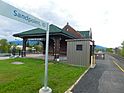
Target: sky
(104, 17)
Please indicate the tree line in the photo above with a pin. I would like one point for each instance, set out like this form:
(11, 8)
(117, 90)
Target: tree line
(6, 47)
(117, 50)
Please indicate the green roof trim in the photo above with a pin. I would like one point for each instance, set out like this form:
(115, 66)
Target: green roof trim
(86, 34)
(54, 30)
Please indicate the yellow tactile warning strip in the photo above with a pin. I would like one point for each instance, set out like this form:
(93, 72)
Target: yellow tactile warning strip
(118, 66)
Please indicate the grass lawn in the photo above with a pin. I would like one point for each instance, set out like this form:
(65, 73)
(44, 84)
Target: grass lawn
(29, 77)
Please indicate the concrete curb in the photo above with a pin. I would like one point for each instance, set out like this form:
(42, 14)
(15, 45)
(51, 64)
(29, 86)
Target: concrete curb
(69, 90)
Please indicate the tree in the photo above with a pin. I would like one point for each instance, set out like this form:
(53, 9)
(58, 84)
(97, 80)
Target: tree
(122, 44)
(4, 46)
(109, 50)
(122, 50)
(38, 48)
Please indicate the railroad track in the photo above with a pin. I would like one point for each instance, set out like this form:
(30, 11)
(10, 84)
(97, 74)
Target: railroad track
(120, 58)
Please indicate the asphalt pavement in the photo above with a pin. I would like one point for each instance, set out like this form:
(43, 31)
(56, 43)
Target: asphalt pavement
(106, 77)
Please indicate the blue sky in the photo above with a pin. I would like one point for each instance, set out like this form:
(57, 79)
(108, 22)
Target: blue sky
(105, 17)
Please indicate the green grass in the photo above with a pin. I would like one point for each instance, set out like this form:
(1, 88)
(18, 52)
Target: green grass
(29, 77)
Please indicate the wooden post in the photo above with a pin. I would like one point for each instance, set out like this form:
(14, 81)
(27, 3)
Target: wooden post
(56, 48)
(24, 47)
(44, 46)
(93, 52)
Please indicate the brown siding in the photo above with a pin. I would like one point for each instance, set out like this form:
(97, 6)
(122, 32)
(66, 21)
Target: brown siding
(68, 28)
(80, 58)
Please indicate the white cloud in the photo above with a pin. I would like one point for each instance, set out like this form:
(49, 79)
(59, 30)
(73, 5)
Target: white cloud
(105, 17)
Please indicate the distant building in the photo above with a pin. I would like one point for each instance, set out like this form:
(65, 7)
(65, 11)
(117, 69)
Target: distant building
(117, 50)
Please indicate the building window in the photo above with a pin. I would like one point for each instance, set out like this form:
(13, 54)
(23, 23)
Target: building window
(79, 47)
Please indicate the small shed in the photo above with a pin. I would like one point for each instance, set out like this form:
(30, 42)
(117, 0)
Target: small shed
(80, 51)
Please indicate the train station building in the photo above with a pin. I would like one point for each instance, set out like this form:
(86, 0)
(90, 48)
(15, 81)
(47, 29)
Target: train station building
(57, 38)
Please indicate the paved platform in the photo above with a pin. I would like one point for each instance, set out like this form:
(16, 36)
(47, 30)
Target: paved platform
(38, 56)
(42, 56)
(105, 78)
(2, 58)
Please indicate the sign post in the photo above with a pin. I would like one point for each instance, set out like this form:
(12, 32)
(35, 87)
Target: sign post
(46, 89)
(19, 15)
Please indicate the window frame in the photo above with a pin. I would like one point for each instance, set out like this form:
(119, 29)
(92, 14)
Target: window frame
(79, 47)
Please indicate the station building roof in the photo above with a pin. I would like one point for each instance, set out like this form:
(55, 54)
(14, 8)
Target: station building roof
(86, 34)
(67, 31)
(54, 30)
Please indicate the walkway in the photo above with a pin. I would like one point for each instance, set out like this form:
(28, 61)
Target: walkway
(42, 56)
(105, 78)
(2, 58)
